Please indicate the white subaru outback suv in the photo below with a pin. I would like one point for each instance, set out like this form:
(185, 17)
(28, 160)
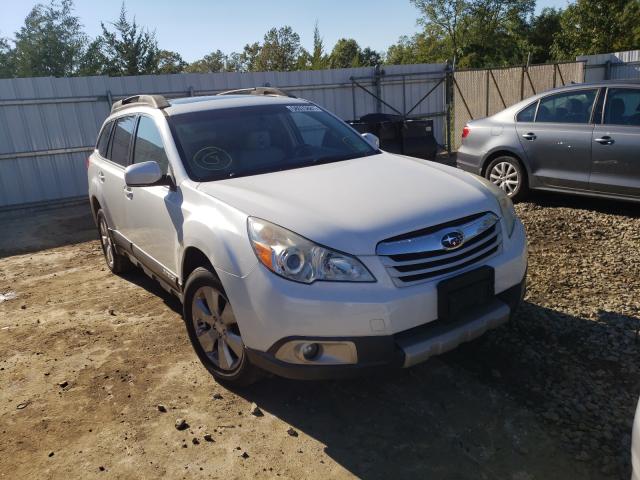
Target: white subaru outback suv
(295, 245)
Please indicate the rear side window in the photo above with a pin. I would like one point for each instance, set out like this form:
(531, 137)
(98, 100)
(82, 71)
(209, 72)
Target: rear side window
(122, 140)
(622, 107)
(149, 146)
(528, 114)
(567, 107)
(103, 141)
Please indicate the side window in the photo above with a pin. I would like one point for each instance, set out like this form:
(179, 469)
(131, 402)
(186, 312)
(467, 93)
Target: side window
(528, 114)
(311, 130)
(567, 107)
(103, 141)
(149, 144)
(622, 107)
(121, 140)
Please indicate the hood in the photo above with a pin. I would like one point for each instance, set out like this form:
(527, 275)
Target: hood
(354, 204)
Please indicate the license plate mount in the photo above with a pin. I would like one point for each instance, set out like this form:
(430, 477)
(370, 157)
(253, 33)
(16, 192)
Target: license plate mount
(458, 295)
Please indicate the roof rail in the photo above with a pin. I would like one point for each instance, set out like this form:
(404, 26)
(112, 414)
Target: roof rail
(153, 101)
(259, 91)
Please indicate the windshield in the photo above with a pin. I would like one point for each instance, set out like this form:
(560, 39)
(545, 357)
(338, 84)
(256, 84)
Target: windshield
(235, 142)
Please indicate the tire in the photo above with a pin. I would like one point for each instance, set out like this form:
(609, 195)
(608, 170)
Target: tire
(117, 263)
(507, 173)
(214, 331)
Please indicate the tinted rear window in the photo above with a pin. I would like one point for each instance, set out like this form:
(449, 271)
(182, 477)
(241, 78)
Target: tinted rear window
(122, 140)
(227, 143)
(103, 141)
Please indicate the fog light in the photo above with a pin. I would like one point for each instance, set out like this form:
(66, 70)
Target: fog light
(310, 350)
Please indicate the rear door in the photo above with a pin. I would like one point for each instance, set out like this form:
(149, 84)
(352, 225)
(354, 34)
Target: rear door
(558, 141)
(111, 172)
(616, 144)
(154, 214)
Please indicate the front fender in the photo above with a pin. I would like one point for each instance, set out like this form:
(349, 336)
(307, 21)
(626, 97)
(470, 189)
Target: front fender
(220, 232)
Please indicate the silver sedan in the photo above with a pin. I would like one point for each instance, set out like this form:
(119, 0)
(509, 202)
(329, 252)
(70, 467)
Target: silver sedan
(581, 139)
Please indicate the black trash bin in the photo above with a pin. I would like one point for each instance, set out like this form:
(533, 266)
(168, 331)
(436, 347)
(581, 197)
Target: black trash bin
(408, 137)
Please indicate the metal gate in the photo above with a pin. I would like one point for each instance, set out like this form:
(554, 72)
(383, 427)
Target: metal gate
(478, 93)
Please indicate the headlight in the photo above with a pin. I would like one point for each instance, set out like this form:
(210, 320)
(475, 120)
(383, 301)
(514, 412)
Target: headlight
(506, 205)
(296, 258)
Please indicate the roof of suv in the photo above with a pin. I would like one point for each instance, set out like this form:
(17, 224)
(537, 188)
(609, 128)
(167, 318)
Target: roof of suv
(213, 102)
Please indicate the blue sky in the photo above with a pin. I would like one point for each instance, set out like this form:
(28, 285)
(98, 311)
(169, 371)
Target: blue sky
(196, 27)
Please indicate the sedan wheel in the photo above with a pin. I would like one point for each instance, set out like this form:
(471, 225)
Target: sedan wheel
(216, 329)
(505, 175)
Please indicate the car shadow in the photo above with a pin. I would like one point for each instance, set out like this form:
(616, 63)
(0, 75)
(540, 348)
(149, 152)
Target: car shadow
(602, 205)
(139, 278)
(489, 409)
(32, 231)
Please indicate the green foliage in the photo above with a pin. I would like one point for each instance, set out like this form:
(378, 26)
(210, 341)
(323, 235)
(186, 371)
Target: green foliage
(7, 67)
(479, 33)
(50, 43)
(345, 54)
(597, 26)
(213, 62)
(319, 59)
(127, 50)
(170, 62)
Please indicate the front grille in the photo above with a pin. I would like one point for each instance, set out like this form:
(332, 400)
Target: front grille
(420, 256)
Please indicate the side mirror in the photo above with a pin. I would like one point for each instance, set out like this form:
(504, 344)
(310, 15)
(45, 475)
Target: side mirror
(143, 174)
(372, 139)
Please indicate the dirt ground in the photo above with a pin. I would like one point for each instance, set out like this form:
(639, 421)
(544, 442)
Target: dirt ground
(87, 357)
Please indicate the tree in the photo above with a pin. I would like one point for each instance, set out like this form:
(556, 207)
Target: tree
(420, 48)
(50, 43)
(170, 62)
(445, 20)
(541, 33)
(596, 26)
(248, 59)
(279, 51)
(370, 58)
(128, 50)
(319, 59)
(7, 67)
(346, 53)
(213, 62)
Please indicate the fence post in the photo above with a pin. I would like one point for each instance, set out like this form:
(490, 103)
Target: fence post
(486, 98)
(109, 99)
(376, 81)
(522, 83)
(607, 70)
(448, 92)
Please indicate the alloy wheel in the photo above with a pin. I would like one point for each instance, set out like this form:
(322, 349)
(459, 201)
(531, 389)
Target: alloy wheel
(216, 329)
(505, 176)
(105, 240)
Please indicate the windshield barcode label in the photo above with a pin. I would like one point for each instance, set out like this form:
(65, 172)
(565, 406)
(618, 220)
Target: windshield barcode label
(303, 108)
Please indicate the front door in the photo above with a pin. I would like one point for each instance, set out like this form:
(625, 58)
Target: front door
(154, 214)
(616, 145)
(111, 173)
(558, 142)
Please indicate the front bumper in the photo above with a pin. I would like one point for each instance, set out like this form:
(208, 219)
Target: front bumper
(389, 326)
(404, 349)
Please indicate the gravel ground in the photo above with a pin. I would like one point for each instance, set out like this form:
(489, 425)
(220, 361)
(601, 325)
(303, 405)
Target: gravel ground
(96, 373)
(573, 354)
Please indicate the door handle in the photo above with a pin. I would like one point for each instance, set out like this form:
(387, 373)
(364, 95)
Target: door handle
(128, 192)
(606, 140)
(101, 176)
(529, 136)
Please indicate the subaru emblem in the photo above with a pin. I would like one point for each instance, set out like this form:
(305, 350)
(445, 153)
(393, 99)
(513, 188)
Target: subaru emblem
(452, 240)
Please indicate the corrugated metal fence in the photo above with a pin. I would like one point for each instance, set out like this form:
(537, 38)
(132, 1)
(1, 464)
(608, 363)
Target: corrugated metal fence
(49, 125)
(479, 93)
(612, 66)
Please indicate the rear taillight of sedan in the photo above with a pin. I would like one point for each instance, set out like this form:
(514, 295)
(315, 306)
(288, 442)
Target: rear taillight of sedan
(466, 131)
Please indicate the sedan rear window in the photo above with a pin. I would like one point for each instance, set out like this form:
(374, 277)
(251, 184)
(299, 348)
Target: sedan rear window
(235, 142)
